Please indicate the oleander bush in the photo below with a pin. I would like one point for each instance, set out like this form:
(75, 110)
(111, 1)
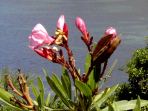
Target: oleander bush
(74, 90)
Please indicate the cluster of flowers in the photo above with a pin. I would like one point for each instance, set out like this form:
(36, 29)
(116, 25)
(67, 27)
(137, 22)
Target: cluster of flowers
(47, 46)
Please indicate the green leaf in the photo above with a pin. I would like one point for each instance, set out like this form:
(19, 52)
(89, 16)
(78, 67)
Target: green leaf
(84, 88)
(55, 87)
(59, 85)
(35, 91)
(103, 96)
(41, 89)
(126, 105)
(6, 97)
(91, 80)
(87, 62)
(138, 105)
(51, 109)
(47, 102)
(45, 71)
(11, 105)
(66, 82)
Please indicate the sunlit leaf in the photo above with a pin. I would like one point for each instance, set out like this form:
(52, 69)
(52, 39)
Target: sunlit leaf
(84, 88)
(103, 96)
(47, 100)
(59, 85)
(127, 105)
(138, 105)
(55, 88)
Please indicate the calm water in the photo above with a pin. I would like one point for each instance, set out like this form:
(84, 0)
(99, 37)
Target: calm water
(18, 17)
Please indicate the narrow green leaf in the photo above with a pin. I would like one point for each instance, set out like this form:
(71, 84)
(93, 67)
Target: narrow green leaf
(59, 85)
(111, 107)
(91, 80)
(66, 82)
(103, 96)
(56, 89)
(87, 62)
(45, 71)
(40, 84)
(84, 88)
(41, 90)
(47, 102)
(5, 95)
(35, 91)
(138, 105)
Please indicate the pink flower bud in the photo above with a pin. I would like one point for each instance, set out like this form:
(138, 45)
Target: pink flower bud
(81, 25)
(39, 36)
(111, 31)
(61, 22)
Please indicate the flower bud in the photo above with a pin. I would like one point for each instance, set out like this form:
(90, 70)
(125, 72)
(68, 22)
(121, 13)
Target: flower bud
(81, 25)
(106, 45)
(61, 22)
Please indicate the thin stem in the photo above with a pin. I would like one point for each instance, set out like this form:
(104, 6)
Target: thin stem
(10, 84)
(72, 61)
(24, 89)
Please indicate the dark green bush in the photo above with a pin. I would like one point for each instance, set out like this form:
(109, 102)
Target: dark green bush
(137, 68)
(137, 85)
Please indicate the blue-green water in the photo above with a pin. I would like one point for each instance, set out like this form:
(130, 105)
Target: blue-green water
(18, 17)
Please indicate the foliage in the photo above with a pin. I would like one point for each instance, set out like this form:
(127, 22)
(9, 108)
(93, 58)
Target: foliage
(137, 68)
(4, 87)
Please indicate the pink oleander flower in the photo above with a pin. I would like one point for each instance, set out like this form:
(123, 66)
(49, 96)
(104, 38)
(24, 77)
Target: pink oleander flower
(111, 31)
(39, 36)
(62, 31)
(81, 26)
(62, 26)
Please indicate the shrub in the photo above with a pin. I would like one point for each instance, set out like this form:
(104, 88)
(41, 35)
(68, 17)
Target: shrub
(137, 85)
(137, 68)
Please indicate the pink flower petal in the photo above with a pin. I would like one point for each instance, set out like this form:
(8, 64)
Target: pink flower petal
(39, 36)
(112, 31)
(61, 22)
